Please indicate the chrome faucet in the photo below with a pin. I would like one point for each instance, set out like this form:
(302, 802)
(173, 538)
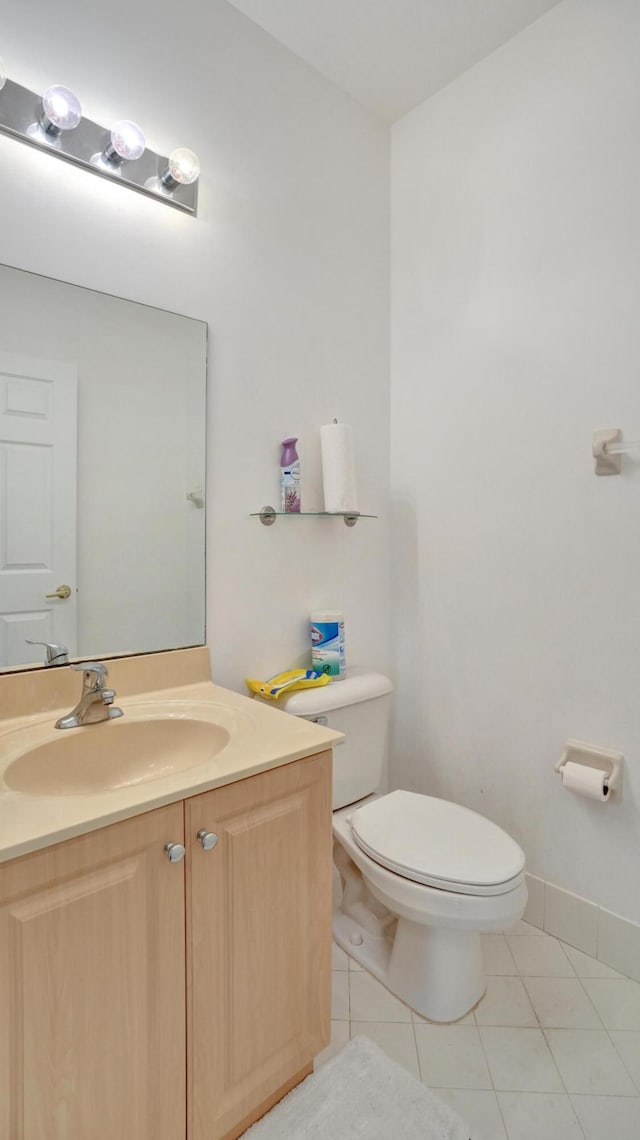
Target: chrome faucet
(55, 654)
(95, 702)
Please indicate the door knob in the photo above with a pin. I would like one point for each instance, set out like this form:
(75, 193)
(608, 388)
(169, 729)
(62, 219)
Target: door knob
(175, 852)
(62, 592)
(207, 839)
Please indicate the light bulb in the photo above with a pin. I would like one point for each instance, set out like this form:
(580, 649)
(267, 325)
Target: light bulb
(62, 110)
(183, 169)
(127, 143)
(3, 74)
(184, 166)
(127, 140)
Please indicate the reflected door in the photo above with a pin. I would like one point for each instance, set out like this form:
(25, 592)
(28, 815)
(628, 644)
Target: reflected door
(38, 443)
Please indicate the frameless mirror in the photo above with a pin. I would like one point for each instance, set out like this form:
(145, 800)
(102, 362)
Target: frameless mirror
(102, 472)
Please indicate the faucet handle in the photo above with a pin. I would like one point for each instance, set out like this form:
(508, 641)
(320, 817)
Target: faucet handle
(95, 669)
(55, 654)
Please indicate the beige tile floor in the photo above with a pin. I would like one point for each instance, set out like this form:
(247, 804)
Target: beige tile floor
(551, 1053)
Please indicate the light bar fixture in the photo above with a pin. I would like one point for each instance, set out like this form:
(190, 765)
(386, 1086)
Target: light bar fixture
(55, 123)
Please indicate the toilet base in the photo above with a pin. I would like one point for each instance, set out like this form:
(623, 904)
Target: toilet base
(436, 971)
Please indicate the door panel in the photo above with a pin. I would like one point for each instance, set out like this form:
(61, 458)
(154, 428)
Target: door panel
(92, 987)
(259, 932)
(37, 505)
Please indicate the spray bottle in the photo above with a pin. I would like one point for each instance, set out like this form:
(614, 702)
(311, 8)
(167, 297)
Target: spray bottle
(289, 477)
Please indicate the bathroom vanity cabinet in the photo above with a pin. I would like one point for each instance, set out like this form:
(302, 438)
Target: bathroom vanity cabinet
(166, 1000)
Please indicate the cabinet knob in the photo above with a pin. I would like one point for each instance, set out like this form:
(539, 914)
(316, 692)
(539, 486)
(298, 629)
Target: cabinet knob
(175, 852)
(207, 839)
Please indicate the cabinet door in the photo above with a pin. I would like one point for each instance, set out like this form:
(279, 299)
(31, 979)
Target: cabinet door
(258, 941)
(92, 1045)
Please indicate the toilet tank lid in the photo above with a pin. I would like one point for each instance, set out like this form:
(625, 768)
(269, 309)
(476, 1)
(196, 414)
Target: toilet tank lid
(357, 686)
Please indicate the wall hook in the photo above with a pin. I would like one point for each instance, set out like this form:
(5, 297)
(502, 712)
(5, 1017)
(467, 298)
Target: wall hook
(608, 448)
(607, 463)
(196, 497)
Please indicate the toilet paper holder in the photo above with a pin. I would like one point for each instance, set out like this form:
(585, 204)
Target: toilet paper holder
(604, 759)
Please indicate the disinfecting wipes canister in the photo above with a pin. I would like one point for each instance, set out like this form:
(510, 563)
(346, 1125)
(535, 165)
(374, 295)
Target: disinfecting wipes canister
(327, 643)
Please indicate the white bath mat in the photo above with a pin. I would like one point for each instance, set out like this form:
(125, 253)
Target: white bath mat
(360, 1095)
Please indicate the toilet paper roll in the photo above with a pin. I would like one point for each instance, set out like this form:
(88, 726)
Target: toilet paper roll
(587, 781)
(338, 468)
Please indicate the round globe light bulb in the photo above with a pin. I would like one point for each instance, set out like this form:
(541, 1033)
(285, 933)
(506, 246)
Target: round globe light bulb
(127, 140)
(184, 166)
(62, 107)
(3, 74)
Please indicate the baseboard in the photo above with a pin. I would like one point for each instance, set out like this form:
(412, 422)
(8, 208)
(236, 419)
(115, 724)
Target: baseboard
(611, 939)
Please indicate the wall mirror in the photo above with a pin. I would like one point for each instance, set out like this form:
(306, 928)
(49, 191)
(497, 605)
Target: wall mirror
(102, 473)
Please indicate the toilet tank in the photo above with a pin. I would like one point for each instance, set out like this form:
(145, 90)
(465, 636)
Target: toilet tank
(359, 706)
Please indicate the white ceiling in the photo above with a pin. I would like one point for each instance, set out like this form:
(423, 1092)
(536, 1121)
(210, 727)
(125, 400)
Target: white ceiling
(390, 55)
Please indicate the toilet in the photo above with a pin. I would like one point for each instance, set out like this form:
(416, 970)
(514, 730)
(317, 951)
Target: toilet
(416, 878)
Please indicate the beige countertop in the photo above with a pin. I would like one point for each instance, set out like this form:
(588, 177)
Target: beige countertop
(260, 737)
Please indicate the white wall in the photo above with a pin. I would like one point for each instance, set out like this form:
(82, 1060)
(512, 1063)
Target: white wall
(515, 334)
(287, 262)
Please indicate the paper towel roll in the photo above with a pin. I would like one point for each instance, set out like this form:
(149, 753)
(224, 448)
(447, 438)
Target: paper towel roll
(585, 780)
(338, 468)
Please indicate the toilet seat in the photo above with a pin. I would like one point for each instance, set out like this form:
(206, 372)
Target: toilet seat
(438, 843)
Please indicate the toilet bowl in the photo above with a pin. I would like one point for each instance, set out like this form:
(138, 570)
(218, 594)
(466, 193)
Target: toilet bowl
(422, 939)
(416, 878)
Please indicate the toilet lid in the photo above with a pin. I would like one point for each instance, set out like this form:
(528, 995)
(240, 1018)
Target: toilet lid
(438, 843)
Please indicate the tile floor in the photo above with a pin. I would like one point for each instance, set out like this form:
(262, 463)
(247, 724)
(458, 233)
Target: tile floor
(551, 1053)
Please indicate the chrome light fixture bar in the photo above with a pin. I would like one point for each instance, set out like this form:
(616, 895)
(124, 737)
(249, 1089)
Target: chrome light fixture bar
(54, 123)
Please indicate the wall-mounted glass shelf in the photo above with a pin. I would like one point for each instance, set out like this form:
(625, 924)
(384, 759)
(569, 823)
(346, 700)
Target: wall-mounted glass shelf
(268, 515)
